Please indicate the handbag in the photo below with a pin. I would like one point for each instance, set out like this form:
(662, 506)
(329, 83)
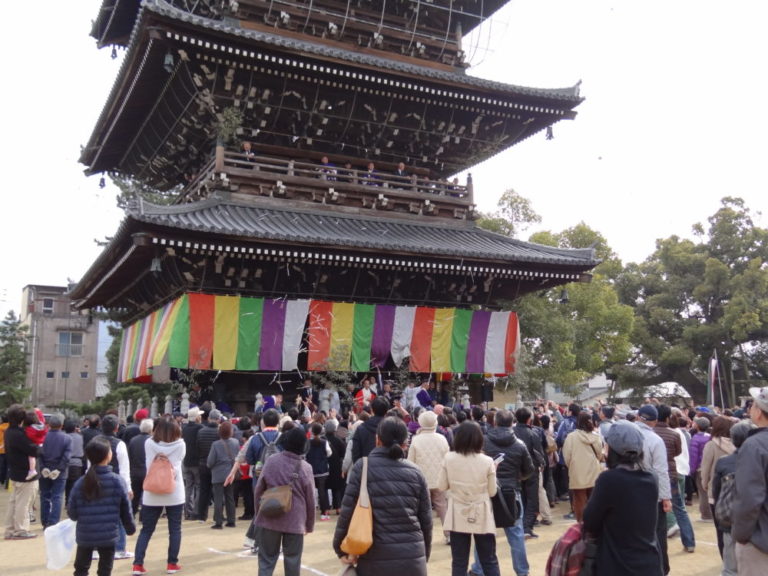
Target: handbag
(359, 538)
(277, 500)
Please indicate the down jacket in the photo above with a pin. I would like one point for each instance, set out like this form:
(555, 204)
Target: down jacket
(98, 520)
(402, 517)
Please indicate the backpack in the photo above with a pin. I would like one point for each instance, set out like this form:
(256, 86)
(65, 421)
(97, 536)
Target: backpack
(267, 449)
(161, 477)
(724, 503)
(573, 554)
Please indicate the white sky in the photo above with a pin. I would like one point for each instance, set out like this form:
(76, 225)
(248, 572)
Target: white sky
(672, 122)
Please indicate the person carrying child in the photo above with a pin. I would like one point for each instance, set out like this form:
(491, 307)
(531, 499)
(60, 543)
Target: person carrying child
(99, 504)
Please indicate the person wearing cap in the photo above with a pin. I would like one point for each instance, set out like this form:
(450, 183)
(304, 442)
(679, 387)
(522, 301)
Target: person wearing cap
(427, 451)
(206, 436)
(625, 528)
(727, 465)
(750, 505)
(698, 442)
(54, 462)
(655, 460)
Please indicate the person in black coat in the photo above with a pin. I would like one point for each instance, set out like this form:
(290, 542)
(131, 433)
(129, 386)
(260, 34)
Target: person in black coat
(364, 439)
(206, 436)
(625, 528)
(402, 517)
(530, 492)
(336, 483)
(137, 458)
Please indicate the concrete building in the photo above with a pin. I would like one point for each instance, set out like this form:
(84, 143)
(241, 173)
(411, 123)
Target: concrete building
(62, 349)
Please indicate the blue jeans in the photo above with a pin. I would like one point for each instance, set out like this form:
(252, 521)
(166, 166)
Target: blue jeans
(149, 517)
(681, 514)
(516, 539)
(51, 496)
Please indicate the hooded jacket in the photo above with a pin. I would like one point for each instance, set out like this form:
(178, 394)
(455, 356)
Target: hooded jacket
(517, 464)
(364, 439)
(582, 452)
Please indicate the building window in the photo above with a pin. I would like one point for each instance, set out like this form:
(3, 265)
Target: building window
(83, 375)
(47, 305)
(65, 375)
(50, 374)
(70, 344)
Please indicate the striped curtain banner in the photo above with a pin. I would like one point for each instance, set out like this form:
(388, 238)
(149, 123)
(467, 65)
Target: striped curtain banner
(207, 332)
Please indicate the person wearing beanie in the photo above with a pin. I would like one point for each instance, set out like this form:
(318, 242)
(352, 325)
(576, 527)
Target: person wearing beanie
(427, 451)
(696, 452)
(655, 460)
(626, 528)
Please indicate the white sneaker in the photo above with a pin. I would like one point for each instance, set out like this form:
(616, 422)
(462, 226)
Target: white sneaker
(249, 543)
(673, 531)
(123, 555)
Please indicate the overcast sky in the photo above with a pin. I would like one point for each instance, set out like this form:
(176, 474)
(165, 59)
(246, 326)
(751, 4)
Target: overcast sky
(672, 122)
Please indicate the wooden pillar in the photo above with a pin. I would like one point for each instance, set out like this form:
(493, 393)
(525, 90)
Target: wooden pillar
(470, 189)
(219, 161)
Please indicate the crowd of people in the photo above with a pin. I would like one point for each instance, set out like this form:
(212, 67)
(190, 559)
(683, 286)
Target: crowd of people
(629, 476)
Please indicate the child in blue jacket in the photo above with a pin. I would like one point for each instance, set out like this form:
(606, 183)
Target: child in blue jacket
(99, 503)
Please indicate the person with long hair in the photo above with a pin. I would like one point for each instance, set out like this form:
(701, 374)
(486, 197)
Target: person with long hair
(582, 453)
(625, 528)
(165, 440)
(718, 447)
(402, 512)
(470, 476)
(99, 504)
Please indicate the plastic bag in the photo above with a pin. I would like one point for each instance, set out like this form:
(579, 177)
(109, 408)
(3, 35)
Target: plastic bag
(60, 544)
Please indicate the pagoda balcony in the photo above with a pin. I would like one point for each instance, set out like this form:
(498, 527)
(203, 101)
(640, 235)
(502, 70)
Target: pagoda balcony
(343, 189)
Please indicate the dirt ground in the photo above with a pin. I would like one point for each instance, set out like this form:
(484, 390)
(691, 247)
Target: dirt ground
(206, 551)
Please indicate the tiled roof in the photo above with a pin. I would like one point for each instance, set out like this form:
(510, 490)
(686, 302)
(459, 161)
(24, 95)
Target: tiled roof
(336, 230)
(161, 7)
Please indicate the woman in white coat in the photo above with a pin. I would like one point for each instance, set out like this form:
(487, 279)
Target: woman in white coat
(166, 440)
(470, 476)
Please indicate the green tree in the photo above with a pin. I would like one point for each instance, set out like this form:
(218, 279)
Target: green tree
(514, 215)
(693, 299)
(133, 190)
(567, 341)
(13, 360)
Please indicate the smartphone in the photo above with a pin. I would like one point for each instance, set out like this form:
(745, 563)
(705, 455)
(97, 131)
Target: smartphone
(499, 458)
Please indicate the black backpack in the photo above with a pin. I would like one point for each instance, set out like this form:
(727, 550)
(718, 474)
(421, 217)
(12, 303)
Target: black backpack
(724, 504)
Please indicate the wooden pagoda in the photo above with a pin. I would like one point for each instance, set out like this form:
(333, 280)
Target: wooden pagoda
(331, 97)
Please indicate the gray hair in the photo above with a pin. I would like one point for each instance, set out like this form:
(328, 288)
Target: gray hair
(146, 426)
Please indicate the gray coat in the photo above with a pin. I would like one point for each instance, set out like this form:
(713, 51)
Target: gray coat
(750, 506)
(221, 458)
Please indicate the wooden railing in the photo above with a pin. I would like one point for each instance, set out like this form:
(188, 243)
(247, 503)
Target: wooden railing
(277, 177)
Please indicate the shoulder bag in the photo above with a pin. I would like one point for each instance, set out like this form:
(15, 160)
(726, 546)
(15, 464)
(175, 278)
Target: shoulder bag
(277, 500)
(359, 538)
